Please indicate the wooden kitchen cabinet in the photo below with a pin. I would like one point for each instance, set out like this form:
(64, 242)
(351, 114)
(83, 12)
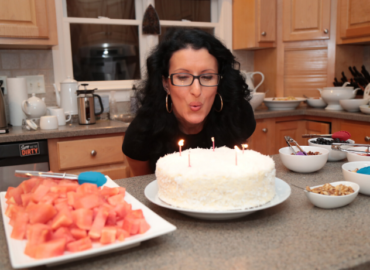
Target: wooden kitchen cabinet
(254, 24)
(306, 20)
(360, 131)
(101, 153)
(261, 141)
(353, 21)
(28, 23)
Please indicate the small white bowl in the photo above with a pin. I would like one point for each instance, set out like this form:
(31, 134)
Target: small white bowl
(352, 105)
(304, 164)
(333, 154)
(357, 157)
(362, 180)
(257, 99)
(365, 109)
(330, 202)
(282, 105)
(316, 102)
(332, 95)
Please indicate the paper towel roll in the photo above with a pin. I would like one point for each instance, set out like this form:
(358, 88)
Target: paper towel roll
(17, 92)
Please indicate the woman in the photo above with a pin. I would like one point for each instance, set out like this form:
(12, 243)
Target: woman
(193, 91)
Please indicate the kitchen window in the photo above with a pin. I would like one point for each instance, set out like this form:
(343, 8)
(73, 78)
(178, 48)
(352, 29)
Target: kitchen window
(101, 41)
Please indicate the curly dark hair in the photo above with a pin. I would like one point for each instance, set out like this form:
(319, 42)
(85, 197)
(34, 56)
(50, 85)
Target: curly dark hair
(228, 126)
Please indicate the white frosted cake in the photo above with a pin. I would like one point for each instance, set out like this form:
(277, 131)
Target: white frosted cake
(214, 182)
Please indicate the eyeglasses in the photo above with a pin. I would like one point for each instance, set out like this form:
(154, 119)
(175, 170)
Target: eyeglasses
(186, 79)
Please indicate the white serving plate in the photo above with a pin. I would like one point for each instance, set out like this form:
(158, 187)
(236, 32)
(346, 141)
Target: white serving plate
(281, 105)
(18, 259)
(282, 189)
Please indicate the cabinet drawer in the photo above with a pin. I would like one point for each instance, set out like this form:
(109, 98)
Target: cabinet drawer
(89, 152)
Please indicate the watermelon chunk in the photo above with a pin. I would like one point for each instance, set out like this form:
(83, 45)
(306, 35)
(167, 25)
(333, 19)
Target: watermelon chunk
(99, 223)
(83, 218)
(20, 226)
(41, 213)
(80, 245)
(49, 249)
(108, 235)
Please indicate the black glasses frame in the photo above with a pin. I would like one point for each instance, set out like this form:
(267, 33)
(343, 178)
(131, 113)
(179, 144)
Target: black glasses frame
(195, 77)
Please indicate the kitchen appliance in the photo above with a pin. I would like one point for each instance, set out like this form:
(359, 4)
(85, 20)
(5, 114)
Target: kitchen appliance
(3, 123)
(67, 98)
(34, 107)
(29, 155)
(17, 92)
(86, 107)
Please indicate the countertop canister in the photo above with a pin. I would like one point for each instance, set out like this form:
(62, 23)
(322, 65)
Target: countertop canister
(17, 92)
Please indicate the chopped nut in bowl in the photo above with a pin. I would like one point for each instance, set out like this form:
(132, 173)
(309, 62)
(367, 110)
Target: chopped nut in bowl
(332, 195)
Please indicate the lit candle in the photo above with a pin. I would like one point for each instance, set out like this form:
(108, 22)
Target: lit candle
(213, 142)
(181, 143)
(189, 157)
(244, 146)
(236, 155)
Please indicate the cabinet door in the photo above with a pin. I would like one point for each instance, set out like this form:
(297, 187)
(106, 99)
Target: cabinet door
(254, 24)
(28, 23)
(360, 131)
(354, 19)
(306, 20)
(23, 19)
(262, 138)
(313, 127)
(266, 21)
(294, 129)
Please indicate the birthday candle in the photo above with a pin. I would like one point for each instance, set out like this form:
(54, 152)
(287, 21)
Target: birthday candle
(236, 155)
(189, 157)
(244, 146)
(181, 143)
(213, 142)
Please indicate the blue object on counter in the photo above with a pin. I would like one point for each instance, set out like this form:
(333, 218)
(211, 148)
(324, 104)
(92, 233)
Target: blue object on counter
(92, 178)
(365, 170)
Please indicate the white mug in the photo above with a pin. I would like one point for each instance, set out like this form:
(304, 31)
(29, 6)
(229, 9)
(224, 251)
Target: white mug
(49, 122)
(61, 115)
(50, 108)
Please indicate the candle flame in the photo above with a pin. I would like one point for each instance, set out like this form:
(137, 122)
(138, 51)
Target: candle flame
(213, 139)
(237, 148)
(245, 146)
(181, 142)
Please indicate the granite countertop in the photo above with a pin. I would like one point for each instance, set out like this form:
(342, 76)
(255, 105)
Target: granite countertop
(292, 235)
(107, 126)
(17, 134)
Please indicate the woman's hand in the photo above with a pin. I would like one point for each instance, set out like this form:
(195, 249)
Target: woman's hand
(138, 167)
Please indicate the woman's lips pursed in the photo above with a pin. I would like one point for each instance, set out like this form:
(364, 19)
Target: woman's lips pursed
(195, 106)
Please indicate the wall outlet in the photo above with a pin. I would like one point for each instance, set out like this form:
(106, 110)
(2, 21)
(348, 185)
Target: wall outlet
(35, 84)
(3, 78)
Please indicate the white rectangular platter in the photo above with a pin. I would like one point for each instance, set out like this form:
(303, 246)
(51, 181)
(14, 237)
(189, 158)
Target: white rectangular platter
(158, 227)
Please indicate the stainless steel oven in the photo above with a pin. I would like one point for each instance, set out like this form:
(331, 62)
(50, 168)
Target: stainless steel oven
(29, 155)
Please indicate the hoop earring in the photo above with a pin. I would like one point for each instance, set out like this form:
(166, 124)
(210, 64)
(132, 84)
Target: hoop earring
(222, 103)
(169, 111)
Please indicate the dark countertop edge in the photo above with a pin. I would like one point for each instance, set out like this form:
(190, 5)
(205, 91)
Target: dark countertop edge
(263, 114)
(29, 136)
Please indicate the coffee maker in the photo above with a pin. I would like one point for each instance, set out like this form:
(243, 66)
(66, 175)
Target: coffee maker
(3, 123)
(86, 107)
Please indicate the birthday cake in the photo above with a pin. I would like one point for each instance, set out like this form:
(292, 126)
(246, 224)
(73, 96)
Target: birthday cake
(216, 180)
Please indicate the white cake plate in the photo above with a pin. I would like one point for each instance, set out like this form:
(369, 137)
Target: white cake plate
(282, 193)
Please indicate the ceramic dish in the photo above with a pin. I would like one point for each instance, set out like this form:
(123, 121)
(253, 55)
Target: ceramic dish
(330, 202)
(257, 99)
(18, 259)
(352, 105)
(316, 102)
(282, 105)
(333, 155)
(362, 180)
(282, 193)
(365, 109)
(332, 95)
(304, 164)
(358, 157)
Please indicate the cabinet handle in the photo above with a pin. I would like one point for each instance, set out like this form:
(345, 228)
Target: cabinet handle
(367, 138)
(93, 153)
(263, 33)
(326, 31)
(264, 130)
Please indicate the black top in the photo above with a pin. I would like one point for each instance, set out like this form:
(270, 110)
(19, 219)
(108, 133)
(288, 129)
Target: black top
(143, 143)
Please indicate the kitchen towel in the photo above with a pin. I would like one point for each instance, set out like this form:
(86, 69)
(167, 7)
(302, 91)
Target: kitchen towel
(17, 92)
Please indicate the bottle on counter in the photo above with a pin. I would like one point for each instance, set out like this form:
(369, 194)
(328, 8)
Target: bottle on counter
(133, 101)
(113, 114)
